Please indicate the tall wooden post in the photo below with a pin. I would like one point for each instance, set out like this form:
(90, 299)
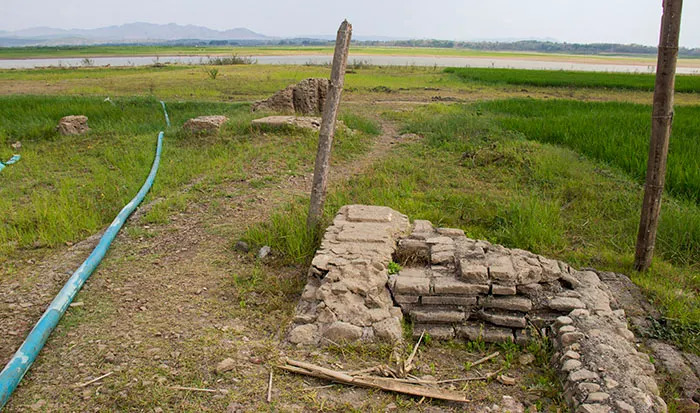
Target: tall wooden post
(661, 120)
(325, 136)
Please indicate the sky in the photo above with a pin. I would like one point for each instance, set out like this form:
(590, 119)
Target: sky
(573, 21)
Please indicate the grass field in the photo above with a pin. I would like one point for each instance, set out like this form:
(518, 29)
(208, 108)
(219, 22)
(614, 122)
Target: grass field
(67, 188)
(561, 78)
(615, 133)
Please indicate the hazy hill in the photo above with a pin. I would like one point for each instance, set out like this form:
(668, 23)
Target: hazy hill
(132, 32)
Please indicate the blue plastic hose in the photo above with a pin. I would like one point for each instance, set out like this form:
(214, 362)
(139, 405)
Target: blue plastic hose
(167, 119)
(17, 367)
(10, 161)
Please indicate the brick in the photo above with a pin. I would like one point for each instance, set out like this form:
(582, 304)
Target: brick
(440, 240)
(507, 303)
(497, 289)
(440, 332)
(406, 299)
(368, 213)
(414, 272)
(489, 334)
(434, 249)
(412, 285)
(447, 285)
(501, 269)
(474, 273)
(448, 300)
(445, 257)
(438, 316)
(504, 320)
(565, 304)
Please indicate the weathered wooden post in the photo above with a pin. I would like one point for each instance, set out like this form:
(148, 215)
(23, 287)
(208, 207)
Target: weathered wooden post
(661, 120)
(325, 136)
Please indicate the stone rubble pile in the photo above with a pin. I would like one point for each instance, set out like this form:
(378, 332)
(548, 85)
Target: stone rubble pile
(451, 286)
(306, 97)
(346, 298)
(73, 125)
(205, 124)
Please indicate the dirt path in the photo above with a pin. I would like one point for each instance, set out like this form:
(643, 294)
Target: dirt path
(164, 307)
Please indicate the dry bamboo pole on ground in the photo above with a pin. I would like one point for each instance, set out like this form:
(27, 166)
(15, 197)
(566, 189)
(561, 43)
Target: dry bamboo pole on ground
(387, 384)
(661, 120)
(328, 120)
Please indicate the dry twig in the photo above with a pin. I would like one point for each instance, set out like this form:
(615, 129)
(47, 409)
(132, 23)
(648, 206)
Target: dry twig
(95, 380)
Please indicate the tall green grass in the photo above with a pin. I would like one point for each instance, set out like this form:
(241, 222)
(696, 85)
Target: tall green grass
(66, 188)
(562, 78)
(615, 133)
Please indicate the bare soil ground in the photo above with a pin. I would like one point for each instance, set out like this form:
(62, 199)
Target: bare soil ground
(171, 301)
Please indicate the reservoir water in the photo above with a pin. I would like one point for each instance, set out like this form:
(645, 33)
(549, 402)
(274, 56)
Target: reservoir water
(380, 60)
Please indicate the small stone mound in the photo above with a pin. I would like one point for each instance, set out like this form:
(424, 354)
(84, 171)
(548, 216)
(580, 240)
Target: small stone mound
(73, 125)
(303, 122)
(306, 97)
(205, 124)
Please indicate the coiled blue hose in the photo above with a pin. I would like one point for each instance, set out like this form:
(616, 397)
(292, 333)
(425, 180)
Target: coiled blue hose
(20, 362)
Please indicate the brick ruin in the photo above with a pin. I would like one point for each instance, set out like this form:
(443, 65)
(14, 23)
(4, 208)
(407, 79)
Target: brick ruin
(451, 286)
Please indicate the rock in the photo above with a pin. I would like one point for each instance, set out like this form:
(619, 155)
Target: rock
(593, 408)
(507, 405)
(225, 365)
(583, 374)
(389, 329)
(264, 252)
(204, 124)
(242, 246)
(503, 289)
(452, 286)
(588, 387)
(412, 285)
(473, 273)
(73, 125)
(507, 303)
(570, 338)
(438, 316)
(306, 97)
(565, 304)
(570, 365)
(448, 300)
(687, 405)
(301, 122)
(341, 331)
(526, 359)
(505, 379)
(597, 397)
(505, 320)
(304, 334)
(501, 269)
(624, 407)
